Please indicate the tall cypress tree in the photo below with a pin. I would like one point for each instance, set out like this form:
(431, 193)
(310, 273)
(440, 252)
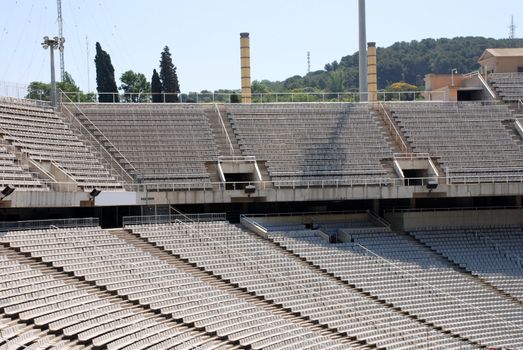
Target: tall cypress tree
(105, 81)
(168, 76)
(156, 87)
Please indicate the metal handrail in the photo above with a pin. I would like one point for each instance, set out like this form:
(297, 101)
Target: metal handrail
(379, 219)
(205, 186)
(224, 129)
(460, 301)
(486, 85)
(270, 273)
(47, 223)
(271, 97)
(94, 139)
(392, 127)
(411, 155)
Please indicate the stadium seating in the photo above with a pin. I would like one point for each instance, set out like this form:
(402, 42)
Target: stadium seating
(313, 144)
(494, 254)
(407, 276)
(96, 256)
(39, 134)
(261, 268)
(469, 140)
(12, 174)
(165, 143)
(66, 310)
(508, 86)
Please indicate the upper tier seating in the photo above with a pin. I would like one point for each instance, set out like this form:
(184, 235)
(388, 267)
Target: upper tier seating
(165, 143)
(395, 269)
(13, 175)
(469, 139)
(97, 256)
(257, 265)
(495, 254)
(41, 135)
(508, 86)
(313, 144)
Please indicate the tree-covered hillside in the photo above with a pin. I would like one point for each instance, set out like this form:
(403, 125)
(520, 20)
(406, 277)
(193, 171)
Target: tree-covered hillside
(403, 61)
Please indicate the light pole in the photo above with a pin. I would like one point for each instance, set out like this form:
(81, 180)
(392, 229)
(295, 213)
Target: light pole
(53, 43)
(452, 71)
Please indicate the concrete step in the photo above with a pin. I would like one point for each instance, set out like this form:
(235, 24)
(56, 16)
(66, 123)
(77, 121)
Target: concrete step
(91, 288)
(228, 287)
(222, 131)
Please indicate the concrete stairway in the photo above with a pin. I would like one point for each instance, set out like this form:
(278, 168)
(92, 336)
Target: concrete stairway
(221, 135)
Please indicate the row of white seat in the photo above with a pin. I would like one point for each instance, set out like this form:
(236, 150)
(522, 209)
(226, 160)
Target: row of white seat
(493, 256)
(184, 300)
(225, 251)
(400, 274)
(74, 312)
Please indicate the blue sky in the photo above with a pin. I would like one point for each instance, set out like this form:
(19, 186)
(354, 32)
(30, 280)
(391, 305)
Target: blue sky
(204, 35)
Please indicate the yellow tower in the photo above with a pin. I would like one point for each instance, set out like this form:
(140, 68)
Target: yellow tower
(373, 72)
(245, 56)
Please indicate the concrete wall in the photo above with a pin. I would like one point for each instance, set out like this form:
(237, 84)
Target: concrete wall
(412, 220)
(221, 195)
(39, 199)
(434, 82)
(501, 64)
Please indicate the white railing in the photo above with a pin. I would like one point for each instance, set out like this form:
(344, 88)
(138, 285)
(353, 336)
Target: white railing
(224, 129)
(392, 128)
(94, 142)
(436, 290)
(15, 90)
(411, 156)
(274, 276)
(520, 103)
(470, 74)
(253, 225)
(169, 218)
(273, 97)
(47, 223)
(487, 86)
(377, 219)
(24, 102)
(294, 184)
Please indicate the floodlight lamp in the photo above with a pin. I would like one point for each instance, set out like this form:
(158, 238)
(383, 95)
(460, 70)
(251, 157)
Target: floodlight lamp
(7, 191)
(94, 193)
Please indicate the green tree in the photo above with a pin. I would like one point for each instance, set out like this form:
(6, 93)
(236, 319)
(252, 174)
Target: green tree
(402, 61)
(38, 90)
(134, 86)
(402, 88)
(156, 87)
(168, 76)
(106, 85)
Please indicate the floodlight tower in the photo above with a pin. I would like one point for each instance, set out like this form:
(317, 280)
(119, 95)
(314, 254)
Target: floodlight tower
(512, 29)
(362, 52)
(61, 35)
(52, 44)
